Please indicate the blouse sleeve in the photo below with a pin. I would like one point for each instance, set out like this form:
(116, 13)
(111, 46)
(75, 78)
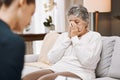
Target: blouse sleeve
(57, 52)
(88, 53)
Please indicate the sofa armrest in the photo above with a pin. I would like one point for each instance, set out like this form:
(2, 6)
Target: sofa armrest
(31, 58)
(105, 78)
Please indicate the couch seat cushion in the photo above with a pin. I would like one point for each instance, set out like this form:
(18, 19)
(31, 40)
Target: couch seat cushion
(40, 65)
(29, 69)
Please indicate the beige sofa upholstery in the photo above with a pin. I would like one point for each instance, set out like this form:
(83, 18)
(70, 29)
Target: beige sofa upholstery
(108, 66)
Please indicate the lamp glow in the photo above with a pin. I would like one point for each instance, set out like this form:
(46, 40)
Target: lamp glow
(97, 6)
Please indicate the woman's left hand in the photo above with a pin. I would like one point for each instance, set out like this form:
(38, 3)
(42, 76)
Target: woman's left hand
(74, 29)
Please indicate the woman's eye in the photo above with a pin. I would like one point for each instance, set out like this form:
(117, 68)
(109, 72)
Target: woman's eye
(76, 22)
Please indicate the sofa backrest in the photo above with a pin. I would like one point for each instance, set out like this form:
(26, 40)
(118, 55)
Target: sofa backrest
(48, 43)
(110, 54)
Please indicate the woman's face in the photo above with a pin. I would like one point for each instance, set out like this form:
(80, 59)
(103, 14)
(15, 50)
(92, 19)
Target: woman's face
(24, 16)
(77, 21)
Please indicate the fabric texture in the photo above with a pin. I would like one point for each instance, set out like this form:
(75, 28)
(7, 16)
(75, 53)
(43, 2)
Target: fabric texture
(106, 56)
(40, 65)
(12, 51)
(105, 78)
(31, 58)
(48, 43)
(29, 69)
(115, 63)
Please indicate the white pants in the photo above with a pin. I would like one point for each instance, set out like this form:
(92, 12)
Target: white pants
(66, 78)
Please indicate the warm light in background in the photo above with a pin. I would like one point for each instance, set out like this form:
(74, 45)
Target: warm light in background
(98, 5)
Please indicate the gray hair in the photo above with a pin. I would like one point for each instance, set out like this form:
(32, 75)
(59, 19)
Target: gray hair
(79, 11)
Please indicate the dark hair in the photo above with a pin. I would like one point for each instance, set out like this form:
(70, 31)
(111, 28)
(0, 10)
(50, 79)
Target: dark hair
(8, 2)
(79, 11)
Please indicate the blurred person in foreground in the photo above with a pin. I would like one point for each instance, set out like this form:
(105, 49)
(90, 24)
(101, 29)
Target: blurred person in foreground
(15, 15)
(75, 53)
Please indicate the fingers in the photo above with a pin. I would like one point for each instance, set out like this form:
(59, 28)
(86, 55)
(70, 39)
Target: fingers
(75, 29)
(69, 31)
(73, 26)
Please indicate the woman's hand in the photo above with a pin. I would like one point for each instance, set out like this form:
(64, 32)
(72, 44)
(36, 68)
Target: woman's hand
(75, 29)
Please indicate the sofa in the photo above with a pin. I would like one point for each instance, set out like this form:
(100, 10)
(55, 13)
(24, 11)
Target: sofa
(107, 68)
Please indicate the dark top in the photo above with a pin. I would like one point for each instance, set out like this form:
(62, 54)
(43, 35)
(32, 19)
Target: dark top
(12, 50)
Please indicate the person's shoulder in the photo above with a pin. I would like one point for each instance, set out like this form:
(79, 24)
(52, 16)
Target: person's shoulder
(14, 38)
(64, 33)
(18, 38)
(12, 41)
(94, 33)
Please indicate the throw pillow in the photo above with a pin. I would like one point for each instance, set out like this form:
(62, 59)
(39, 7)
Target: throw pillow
(48, 42)
(115, 63)
(106, 54)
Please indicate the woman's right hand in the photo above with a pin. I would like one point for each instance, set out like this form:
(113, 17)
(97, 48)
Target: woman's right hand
(73, 29)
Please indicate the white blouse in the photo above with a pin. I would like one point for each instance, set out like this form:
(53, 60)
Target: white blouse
(78, 55)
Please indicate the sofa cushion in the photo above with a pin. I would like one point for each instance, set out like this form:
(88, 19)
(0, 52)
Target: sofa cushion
(48, 42)
(29, 69)
(114, 70)
(39, 65)
(105, 78)
(106, 54)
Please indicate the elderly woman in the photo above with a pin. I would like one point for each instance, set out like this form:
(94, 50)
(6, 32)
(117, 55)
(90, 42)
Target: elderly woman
(75, 53)
(12, 48)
